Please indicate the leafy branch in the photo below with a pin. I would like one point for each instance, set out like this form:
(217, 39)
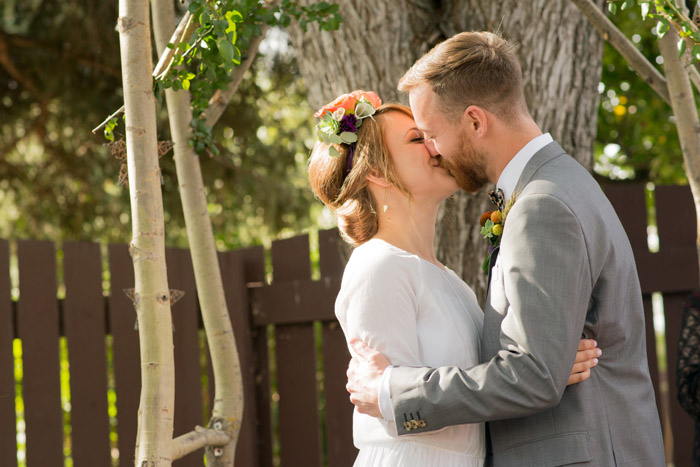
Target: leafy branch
(206, 48)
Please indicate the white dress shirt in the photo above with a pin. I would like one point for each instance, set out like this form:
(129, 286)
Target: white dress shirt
(506, 182)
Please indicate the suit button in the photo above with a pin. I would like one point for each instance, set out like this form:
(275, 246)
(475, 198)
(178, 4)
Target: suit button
(414, 424)
(408, 426)
(422, 423)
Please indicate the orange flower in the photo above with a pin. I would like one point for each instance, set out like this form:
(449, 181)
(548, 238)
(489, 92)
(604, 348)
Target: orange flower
(484, 217)
(496, 217)
(369, 96)
(349, 101)
(346, 101)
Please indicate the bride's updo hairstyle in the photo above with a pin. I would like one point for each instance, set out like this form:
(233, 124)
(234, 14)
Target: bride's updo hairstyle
(343, 186)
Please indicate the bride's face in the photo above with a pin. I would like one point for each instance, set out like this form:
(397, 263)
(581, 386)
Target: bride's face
(420, 173)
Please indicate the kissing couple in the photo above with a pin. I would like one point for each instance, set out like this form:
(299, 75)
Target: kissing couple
(435, 380)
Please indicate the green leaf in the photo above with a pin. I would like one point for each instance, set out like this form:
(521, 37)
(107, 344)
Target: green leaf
(662, 27)
(348, 137)
(186, 84)
(363, 110)
(695, 53)
(681, 47)
(627, 4)
(335, 139)
(226, 49)
(333, 152)
(612, 8)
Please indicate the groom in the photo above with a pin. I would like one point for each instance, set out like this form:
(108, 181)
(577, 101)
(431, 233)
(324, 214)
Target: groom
(565, 270)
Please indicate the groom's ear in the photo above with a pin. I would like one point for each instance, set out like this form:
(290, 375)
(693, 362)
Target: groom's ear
(381, 181)
(475, 120)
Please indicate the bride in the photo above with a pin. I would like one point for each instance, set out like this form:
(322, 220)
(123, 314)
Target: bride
(372, 169)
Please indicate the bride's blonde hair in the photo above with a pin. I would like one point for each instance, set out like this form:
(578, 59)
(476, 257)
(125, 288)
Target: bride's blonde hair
(349, 197)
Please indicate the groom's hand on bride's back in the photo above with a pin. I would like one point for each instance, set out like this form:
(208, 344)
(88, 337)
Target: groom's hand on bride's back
(364, 375)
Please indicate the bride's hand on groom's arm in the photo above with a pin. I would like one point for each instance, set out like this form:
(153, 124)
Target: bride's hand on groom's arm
(364, 376)
(586, 358)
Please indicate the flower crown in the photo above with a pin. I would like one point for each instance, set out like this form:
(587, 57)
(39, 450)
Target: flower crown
(339, 121)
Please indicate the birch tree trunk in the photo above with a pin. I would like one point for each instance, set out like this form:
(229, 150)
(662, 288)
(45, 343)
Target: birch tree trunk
(151, 294)
(560, 54)
(686, 112)
(228, 400)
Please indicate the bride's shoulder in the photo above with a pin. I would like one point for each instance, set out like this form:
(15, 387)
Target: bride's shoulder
(378, 256)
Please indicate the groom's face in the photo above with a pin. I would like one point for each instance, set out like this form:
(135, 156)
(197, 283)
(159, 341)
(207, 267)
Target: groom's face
(448, 139)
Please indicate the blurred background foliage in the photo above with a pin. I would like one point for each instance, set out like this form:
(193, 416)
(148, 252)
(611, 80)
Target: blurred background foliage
(637, 138)
(60, 77)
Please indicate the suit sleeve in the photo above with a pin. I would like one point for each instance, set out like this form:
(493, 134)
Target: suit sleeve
(544, 267)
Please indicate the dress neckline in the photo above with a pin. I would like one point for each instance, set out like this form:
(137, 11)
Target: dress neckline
(443, 269)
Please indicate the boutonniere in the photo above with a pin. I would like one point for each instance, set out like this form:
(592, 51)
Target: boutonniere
(492, 223)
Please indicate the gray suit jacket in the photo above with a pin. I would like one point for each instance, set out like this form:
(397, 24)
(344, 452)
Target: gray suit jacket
(565, 270)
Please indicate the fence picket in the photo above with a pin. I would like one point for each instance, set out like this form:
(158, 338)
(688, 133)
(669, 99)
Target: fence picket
(125, 351)
(38, 328)
(300, 441)
(188, 394)
(341, 451)
(8, 434)
(84, 325)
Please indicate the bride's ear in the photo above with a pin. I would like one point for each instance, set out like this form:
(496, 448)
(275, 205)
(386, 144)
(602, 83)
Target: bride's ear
(381, 181)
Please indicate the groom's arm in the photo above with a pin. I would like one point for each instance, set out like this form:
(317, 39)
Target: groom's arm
(548, 287)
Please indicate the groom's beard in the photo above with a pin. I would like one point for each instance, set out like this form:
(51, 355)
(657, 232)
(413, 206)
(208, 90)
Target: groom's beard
(467, 166)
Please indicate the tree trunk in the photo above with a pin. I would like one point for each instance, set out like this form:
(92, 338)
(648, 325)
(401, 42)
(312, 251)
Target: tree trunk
(686, 113)
(147, 248)
(228, 400)
(560, 54)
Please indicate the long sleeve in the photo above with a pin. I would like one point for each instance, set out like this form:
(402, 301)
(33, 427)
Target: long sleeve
(688, 366)
(546, 312)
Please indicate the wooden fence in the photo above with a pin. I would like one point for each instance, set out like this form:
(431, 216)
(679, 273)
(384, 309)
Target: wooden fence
(296, 404)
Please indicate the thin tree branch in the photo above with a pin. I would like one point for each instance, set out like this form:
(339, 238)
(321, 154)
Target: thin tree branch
(182, 33)
(184, 30)
(106, 121)
(197, 439)
(625, 47)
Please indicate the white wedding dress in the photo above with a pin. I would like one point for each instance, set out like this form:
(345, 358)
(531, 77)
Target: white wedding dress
(416, 314)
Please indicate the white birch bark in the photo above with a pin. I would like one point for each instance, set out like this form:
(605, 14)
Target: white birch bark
(686, 113)
(228, 400)
(152, 297)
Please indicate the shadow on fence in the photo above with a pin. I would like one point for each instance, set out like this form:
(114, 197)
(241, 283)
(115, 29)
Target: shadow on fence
(292, 350)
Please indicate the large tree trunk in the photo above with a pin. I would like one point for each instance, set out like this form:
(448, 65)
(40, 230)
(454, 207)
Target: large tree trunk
(561, 57)
(147, 248)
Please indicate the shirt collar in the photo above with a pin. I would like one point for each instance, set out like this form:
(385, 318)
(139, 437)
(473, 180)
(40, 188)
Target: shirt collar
(511, 174)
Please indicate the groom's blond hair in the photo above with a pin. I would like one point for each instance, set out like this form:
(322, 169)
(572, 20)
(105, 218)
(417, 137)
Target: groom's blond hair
(471, 68)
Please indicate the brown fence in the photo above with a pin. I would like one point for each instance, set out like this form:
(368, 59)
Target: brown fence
(292, 350)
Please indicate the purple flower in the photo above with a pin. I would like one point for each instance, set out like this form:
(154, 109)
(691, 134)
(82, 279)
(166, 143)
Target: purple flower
(348, 123)
(491, 248)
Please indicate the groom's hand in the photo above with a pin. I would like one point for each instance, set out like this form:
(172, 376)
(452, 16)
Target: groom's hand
(364, 375)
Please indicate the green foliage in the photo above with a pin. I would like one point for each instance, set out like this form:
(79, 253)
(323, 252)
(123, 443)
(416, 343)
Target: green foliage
(667, 15)
(204, 63)
(636, 137)
(58, 181)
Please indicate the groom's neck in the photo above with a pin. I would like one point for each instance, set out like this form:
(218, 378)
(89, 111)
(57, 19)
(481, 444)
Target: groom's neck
(508, 140)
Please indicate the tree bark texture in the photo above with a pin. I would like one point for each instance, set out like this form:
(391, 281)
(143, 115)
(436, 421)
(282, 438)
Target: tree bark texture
(228, 401)
(686, 113)
(560, 54)
(147, 248)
